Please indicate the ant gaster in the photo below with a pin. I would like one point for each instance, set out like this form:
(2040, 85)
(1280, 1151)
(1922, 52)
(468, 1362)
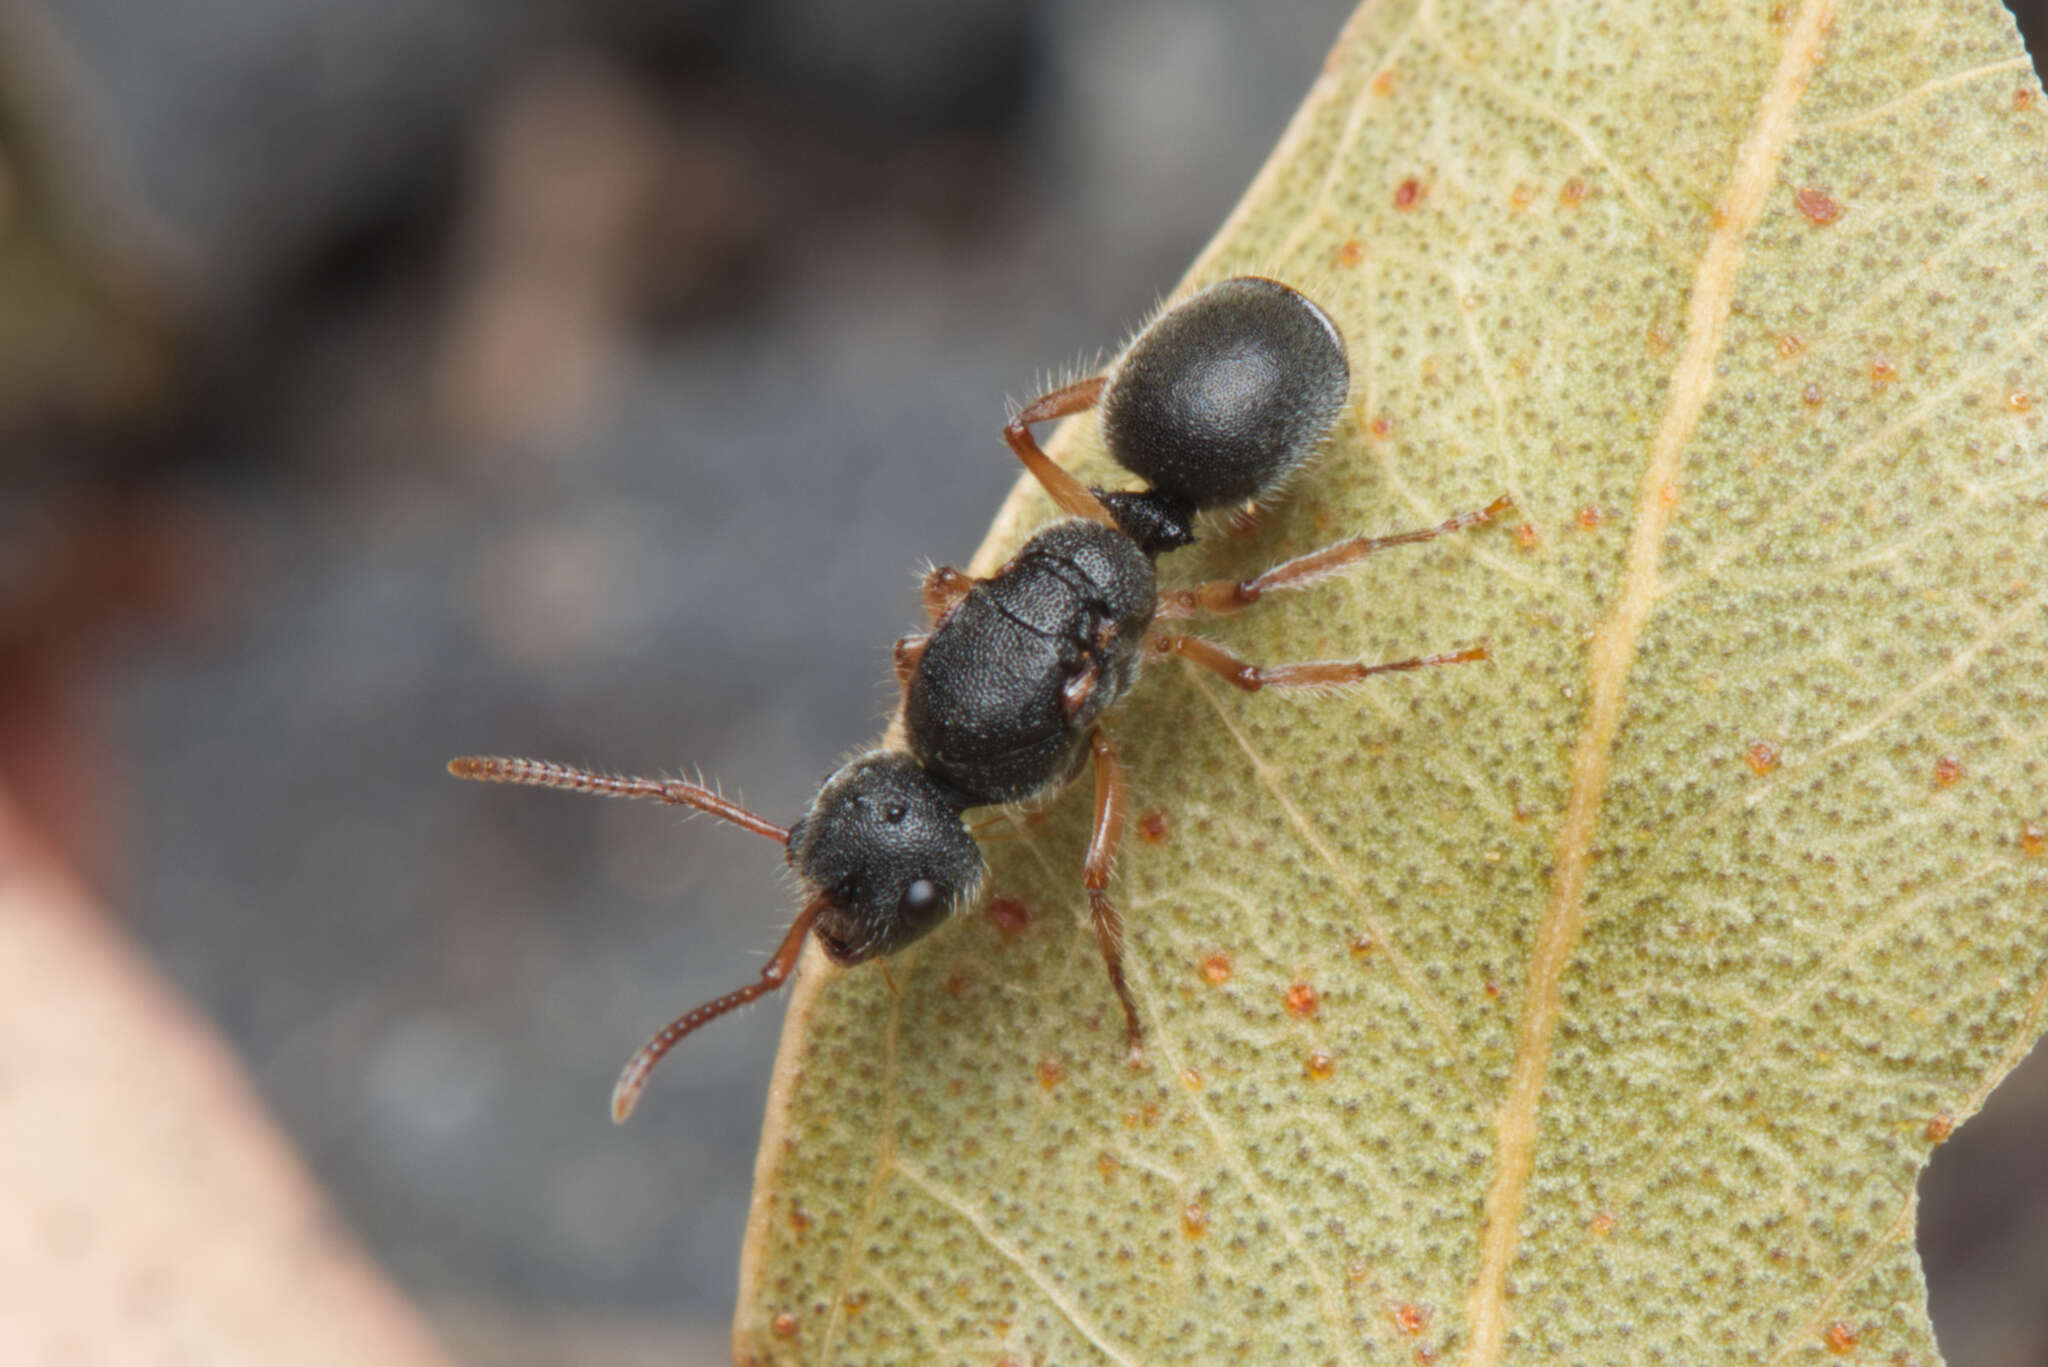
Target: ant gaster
(1214, 405)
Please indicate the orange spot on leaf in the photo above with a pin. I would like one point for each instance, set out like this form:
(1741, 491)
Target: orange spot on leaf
(2034, 839)
(1573, 194)
(1216, 969)
(1010, 917)
(1947, 769)
(1411, 1319)
(1319, 1066)
(1301, 1001)
(1154, 826)
(1817, 204)
(1602, 1224)
(783, 1326)
(1385, 81)
(1351, 253)
(1050, 1072)
(1840, 1338)
(1409, 193)
(1194, 1221)
(1590, 518)
(1527, 537)
(1763, 757)
(1381, 427)
(1940, 1127)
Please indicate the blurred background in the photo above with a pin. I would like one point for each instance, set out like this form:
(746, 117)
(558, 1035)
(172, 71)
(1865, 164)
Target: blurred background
(387, 379)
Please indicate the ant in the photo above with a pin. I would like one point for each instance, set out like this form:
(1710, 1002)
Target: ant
(1214, 405)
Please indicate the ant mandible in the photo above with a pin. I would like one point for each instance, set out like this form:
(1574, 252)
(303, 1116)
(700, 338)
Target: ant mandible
(1213, 405)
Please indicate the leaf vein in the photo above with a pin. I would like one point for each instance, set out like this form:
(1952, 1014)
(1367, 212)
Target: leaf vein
(1612, 654)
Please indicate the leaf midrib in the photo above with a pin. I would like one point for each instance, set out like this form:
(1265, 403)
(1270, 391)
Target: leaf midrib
(1612, 655)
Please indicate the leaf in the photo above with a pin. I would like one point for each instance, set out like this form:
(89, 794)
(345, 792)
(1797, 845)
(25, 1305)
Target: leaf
(1646, 964)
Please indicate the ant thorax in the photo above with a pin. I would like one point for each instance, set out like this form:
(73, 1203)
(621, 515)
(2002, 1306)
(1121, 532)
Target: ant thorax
(1014, 678)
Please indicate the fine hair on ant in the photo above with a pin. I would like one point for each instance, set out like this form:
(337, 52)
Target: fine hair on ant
(1214, 405)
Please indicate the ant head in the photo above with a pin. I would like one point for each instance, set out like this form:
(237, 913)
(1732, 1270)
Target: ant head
(888, 850)
(1226, 393)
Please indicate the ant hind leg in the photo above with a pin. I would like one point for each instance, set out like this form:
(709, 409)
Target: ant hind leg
(1234, 595)
(1316, 674)
(1074, 498)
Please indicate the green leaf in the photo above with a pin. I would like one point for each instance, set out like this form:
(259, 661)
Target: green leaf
(1649, 961)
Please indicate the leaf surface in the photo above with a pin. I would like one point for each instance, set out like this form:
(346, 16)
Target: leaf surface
(1601, 1003)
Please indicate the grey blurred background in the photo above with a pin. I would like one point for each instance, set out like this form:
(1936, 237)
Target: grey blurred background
(396, 378)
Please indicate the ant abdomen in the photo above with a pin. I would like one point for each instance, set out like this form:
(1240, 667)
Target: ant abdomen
(1226, 393)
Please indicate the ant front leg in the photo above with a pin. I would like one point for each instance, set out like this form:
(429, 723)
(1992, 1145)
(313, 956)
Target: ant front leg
(909, 650)
(1110, 803)
(944, 587)
(1316, 674)
(1233, 595)
(1074, 498)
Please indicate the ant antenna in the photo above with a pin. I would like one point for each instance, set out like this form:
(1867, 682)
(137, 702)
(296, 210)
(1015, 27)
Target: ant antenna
(633, 1079)
(542, 773)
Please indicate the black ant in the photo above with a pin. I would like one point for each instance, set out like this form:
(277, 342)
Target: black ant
(1213, 405)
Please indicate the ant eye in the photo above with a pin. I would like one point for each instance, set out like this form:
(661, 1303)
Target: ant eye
(896, 812)
(920, 895)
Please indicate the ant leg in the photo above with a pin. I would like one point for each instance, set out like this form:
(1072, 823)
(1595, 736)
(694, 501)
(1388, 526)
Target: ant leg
(1074, 498)
(944, 587)
(1228, 595)
(1102, 847)
(1019, 823)
(909, 650)
(633, 1079)
(543, 773)
(1318, 674)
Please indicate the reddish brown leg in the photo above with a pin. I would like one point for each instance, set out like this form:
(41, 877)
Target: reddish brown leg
(1017, 821)
(1318, 674)
(1231, 595)
(909, 650)
(1102, 847)
(633, 1080)
(541, 773)
(1073, 497)
(944, 587)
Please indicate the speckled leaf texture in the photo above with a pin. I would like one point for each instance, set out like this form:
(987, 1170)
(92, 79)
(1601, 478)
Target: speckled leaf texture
(1601, 1003)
